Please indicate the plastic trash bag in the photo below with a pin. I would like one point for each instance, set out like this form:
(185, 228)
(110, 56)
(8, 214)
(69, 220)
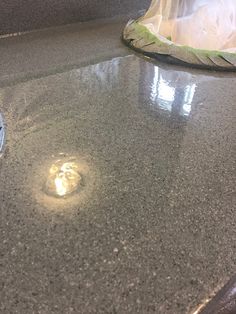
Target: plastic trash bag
(199, 32)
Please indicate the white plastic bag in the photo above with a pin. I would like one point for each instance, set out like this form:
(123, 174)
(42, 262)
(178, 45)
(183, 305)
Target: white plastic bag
(203, 24)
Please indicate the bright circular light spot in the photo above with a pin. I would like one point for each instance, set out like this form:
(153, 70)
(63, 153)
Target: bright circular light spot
(63, 179)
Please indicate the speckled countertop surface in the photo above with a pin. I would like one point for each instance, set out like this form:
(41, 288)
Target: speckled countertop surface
(18, 15)
(153, 229)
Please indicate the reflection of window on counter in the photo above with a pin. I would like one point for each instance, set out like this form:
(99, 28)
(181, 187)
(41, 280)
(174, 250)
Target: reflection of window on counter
(169, 93)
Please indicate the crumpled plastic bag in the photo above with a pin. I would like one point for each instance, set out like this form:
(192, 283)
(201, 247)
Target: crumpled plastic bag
(199, 33)
(202, 24)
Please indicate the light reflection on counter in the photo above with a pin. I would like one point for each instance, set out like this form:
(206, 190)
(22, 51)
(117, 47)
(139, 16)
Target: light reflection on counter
(64, 183)
(201, 306)
(63, 179)
(172, 91)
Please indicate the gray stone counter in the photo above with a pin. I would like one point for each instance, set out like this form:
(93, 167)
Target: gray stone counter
(152, 228)
(19, 16)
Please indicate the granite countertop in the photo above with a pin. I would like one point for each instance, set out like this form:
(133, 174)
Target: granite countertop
(152, 229)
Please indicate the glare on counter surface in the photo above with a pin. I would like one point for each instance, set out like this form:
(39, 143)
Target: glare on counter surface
(63, 179)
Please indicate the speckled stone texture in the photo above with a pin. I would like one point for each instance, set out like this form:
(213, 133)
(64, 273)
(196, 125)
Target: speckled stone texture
(58, 49)
(24, 15)
(153, 230)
